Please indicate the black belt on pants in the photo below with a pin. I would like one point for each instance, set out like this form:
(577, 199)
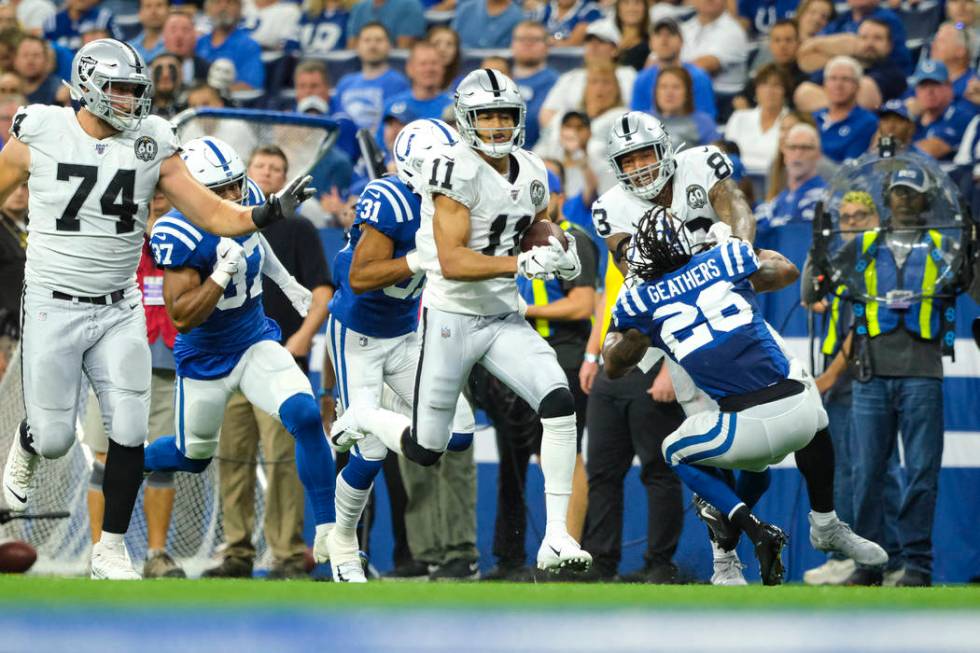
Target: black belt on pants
(101, 300)
(781, 390)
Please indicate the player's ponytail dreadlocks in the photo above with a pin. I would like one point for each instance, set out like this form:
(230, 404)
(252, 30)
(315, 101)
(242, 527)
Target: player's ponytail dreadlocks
(659, 245)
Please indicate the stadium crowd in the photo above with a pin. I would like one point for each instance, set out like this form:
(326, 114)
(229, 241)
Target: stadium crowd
(790, 91)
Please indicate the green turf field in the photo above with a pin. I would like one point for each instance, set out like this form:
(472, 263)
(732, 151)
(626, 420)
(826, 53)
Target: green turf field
(510, 596)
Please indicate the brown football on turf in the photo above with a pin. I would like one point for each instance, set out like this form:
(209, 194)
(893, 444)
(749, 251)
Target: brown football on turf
(538, 233)
(16, 557)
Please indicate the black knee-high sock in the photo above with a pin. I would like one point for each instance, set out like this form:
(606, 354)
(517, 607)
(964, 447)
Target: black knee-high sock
(816, 463)
(120, 485)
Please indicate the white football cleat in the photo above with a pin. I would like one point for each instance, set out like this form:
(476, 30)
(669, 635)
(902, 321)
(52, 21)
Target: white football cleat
(561, 551)
(346, 430)
(838, 537)
(727, 567)
(345, 559)
(18, 473)
(832, 572)
(111, 562)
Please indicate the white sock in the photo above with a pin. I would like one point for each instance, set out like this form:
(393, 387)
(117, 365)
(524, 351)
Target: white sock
(557, 465)
(112, 539)
(824, 519)
(385, 425)
(350, 504)
(322, 530)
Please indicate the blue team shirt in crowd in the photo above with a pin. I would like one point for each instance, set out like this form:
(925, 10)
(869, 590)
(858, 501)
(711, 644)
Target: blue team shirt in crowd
(405, 104)
(61, 29)
(646, 81)
(478, 29)
(534, 89)
(364, 99)
(949, 128)
(845, 23)
(960, 84)
(848, 138)
(400, 18)
(239, 47)
(320, 34)
(762, 14)
(705, 316)
(212, 349)
(389, 206)
(139, 44)
(584, 11)
(786, 225)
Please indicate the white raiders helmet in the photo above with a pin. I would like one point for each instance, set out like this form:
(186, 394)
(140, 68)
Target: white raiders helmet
(100, 64)
(634, 131)
(414, 143)
(485, 89)
(214, 163)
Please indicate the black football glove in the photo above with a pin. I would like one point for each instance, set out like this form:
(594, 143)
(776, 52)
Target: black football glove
(284, 203)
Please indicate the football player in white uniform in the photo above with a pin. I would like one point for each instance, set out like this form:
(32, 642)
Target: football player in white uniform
(480, 197)
(91, 176)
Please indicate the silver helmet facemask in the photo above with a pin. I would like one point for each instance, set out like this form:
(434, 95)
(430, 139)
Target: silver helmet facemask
(488, 90)
(635, 132)
(99, 69)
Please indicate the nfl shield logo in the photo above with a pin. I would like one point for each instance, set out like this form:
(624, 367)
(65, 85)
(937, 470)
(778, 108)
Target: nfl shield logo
(445, 332)
(514, 194)
(100, 148)
(362, 341)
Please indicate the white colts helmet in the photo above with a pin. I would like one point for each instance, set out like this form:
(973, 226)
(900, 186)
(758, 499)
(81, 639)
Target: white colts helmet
(214, 163)
(99, 65)
(414, 143)
(483, 90)
(635, 131)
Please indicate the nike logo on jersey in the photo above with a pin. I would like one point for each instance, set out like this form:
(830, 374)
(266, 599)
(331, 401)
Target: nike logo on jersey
(375, 194)
(17, 496)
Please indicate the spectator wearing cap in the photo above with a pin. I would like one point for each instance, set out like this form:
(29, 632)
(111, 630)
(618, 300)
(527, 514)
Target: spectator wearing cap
(152, 15)
(362, 95)
(756, 130)
(601, 44)
(570, 150)
(404, 20)
(79, 16)
(425, 98)
(180, 39)
(758, 17)
(227, 40)
(486, 23)
(882, 80)
(941, 122)
(567, 20)
(845, 128)
(533, 76)
(632, 19)
(895, 122)
(716, 43)
(666, 42)
(953, 45)
(838, 37)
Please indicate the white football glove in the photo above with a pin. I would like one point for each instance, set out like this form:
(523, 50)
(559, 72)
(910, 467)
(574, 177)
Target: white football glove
(569, 266)
(231, 258)
(718, 233)
(538, 263)
(298, 295)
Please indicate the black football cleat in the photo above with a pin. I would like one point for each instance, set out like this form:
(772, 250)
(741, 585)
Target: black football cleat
(721, 531)
(768, 551)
